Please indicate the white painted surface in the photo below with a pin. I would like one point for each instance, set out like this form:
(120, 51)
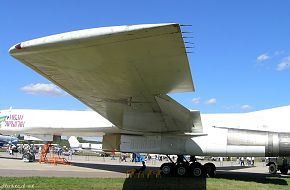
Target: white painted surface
(275, 119)
(55, 122)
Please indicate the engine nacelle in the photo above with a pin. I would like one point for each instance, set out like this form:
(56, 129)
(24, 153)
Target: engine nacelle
(220, 142)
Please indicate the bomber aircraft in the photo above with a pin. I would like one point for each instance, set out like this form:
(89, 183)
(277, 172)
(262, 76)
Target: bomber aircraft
(124, 74)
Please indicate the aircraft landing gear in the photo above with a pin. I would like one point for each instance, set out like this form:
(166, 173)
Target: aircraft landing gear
(197, 169)
(210, 169)
(167, 169)
(182, 167)
(179, 168)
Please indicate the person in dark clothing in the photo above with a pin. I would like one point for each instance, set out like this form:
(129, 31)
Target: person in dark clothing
(142, 169)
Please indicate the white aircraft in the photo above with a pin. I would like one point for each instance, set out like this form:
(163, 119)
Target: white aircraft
(75, 144)
(124, 73)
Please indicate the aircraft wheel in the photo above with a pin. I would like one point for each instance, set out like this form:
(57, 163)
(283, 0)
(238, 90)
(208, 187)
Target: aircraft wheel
(210, 169)
(284, 171)
(181, 170)
(167, 169)
(272, 168)
(197, 170)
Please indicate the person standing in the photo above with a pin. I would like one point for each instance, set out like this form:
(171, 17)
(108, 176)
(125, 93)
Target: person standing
(10, 150)
(242, 161)
(113, 156)
(253, 161)
(142, 169)
(221, 161)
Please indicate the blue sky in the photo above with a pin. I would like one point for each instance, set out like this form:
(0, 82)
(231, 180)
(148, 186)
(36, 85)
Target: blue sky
(241, 59)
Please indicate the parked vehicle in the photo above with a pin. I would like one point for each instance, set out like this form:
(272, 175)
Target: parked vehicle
(278, 164)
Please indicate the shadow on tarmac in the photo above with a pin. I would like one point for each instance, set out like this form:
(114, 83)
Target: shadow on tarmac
(233, 167)
(187, 182)
(276, 179)
(11, 157)
(168, 183)
(108, 167)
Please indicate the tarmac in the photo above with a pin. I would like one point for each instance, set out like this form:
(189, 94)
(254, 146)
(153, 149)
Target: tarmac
(99, 167)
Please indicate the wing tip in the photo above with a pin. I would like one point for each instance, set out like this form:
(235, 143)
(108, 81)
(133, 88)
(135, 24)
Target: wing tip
(14, 48)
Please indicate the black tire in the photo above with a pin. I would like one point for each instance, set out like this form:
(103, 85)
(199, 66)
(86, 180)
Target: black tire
(197, 170)
(210, 169)
(25, 157)
(181, 170)
(31, 157)
(272, 168)
(167, 169)
(284, 171)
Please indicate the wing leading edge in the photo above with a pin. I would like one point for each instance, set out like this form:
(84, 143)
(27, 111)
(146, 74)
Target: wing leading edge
(122, 72)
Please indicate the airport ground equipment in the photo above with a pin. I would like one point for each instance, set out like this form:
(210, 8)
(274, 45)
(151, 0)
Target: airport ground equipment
(147, 173)
(278, 164)
(52, 159)
(130, 173)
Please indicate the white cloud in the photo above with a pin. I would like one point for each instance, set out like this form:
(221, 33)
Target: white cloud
(246, 107)
(43, 89)
(263, 57)
(196, 100)
(279, 52)
(211, 101)
(285, 64)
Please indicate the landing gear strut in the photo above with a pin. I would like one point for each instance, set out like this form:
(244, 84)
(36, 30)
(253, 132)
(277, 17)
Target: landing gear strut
(183, 167)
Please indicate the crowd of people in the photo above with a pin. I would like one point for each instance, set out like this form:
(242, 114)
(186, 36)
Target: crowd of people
(134, 157)
(137, 157)
(250, 161)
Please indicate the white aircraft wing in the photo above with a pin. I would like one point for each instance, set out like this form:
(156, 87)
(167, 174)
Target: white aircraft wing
(122, 72)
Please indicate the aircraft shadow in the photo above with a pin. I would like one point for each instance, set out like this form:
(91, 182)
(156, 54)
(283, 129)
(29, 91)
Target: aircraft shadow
(253, 177)
(187, 182)
(11, 157)
(233, 167)
(108, 167)
(200, 183)
(124, 168)
(168, 183)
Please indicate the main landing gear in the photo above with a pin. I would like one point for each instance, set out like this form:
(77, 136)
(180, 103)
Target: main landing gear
(182, 167)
